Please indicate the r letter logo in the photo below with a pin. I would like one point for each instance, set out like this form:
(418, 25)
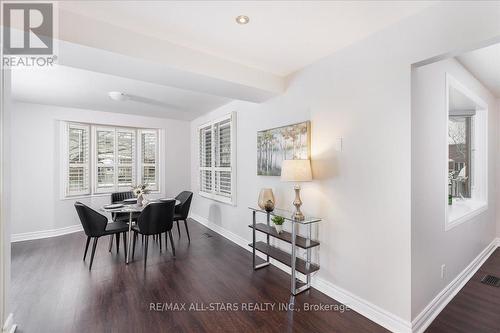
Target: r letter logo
(28, 28)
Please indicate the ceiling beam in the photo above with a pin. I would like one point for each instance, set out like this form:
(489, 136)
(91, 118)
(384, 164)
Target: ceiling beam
(98, 46)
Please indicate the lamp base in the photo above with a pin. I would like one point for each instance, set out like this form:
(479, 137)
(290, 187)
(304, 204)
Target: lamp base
(297, 215)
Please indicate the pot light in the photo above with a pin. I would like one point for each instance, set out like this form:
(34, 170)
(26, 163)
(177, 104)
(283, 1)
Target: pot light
(118, 96)
(242, 19)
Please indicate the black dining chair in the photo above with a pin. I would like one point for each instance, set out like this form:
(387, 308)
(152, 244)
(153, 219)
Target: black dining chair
(96, 225)
(182, 210)
(156, 218)
(121, 217)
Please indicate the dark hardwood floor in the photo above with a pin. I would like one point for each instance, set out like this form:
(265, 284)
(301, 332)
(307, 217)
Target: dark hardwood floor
(53, 291)
(476, 308)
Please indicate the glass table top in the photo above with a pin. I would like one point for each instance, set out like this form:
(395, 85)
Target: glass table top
(287, 215)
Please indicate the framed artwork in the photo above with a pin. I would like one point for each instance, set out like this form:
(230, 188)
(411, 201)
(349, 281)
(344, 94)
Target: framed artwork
(291, 142)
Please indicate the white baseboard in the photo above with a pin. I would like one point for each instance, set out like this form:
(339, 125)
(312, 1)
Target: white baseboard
(432, 310)
(45, 233)
(363, 307)
(9, 326)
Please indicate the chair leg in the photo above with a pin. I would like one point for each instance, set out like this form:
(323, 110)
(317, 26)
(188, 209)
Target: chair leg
(171, 242)
(111, 242)
(133, 244)
(117, 242)
(125, 243)
(146, 251)
(178, 229)
(93, 252)
(86, 247)
(159, 239)
(187, 230)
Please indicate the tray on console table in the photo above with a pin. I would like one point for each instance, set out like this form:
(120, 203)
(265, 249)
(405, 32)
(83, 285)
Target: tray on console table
(305, 267)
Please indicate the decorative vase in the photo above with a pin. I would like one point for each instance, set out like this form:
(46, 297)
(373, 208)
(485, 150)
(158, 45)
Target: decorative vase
(140, 200)
(266, 199)
(279, 228)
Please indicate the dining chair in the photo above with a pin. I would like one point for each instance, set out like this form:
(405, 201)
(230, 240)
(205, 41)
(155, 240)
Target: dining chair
(96, 225)
(156, 218)
(120, 217)
(182, 210)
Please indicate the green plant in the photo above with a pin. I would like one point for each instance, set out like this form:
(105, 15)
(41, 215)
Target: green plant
(278, 220)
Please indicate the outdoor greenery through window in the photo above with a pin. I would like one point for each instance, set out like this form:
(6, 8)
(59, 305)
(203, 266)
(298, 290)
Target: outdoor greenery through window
(103, 159)
(460, 151)
(216, 159)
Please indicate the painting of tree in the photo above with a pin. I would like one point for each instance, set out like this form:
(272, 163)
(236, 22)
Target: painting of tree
(274, 145)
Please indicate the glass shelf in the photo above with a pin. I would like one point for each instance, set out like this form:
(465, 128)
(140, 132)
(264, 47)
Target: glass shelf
(287, 215)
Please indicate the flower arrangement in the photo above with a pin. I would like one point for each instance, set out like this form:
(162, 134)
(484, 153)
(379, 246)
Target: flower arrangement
(139, 192)
(140, 189)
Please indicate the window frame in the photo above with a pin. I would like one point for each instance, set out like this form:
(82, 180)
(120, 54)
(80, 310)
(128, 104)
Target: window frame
(92, 161)
(67, 164)
(464, 210)
(140, 165)
(213, 168)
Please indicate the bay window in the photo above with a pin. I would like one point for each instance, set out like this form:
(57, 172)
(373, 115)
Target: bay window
(119, 157)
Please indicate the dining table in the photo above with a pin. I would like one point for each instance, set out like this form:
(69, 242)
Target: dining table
(131, 206)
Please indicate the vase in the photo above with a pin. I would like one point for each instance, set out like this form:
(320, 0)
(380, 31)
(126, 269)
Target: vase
(140, 200)
(266, 200)
(279, 228)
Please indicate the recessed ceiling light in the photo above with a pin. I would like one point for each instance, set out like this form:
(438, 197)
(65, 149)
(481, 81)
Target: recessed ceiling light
(118, 96)
(242, 19)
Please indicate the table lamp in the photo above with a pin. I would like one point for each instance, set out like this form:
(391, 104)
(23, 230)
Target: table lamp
(296, 171)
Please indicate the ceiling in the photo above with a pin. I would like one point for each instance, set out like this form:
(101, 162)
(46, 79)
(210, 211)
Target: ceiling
(484, 64)
(72, 87)
(180, 59)
(281, 38)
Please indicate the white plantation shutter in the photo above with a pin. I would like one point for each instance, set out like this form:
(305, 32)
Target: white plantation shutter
(105, 161)
(216, 159)
(206, 159)
(126, 153)
(78, 175)
(149, 159)
(111, 159)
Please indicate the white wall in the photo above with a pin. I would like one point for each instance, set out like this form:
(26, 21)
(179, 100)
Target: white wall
(361, 93)
(5, 200)
(432, 246)
(498, 178)
(35, 162)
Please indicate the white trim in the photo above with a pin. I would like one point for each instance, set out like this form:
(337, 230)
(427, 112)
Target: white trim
(45, 233)
(432, 310)
(367, 309)
(453, 221)
(9, 326)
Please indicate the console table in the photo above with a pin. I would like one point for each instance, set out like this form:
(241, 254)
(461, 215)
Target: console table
(305, 267)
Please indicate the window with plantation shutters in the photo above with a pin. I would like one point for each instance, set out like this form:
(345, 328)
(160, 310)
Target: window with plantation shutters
(149, 158)
(78, 175)
(216, 157)
(104, 159)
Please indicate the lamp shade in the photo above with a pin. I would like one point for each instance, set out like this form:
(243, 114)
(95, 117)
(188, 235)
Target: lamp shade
(296, 171)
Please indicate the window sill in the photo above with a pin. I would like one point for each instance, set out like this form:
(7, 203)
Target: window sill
(97, 195)
(216, 197)
(463, 210)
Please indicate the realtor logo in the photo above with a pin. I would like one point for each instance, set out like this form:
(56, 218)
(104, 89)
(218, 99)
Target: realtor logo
(28, 28)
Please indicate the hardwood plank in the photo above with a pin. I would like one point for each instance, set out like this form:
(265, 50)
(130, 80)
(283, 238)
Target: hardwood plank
(53, 291)
(476, 308)
(284, 236)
